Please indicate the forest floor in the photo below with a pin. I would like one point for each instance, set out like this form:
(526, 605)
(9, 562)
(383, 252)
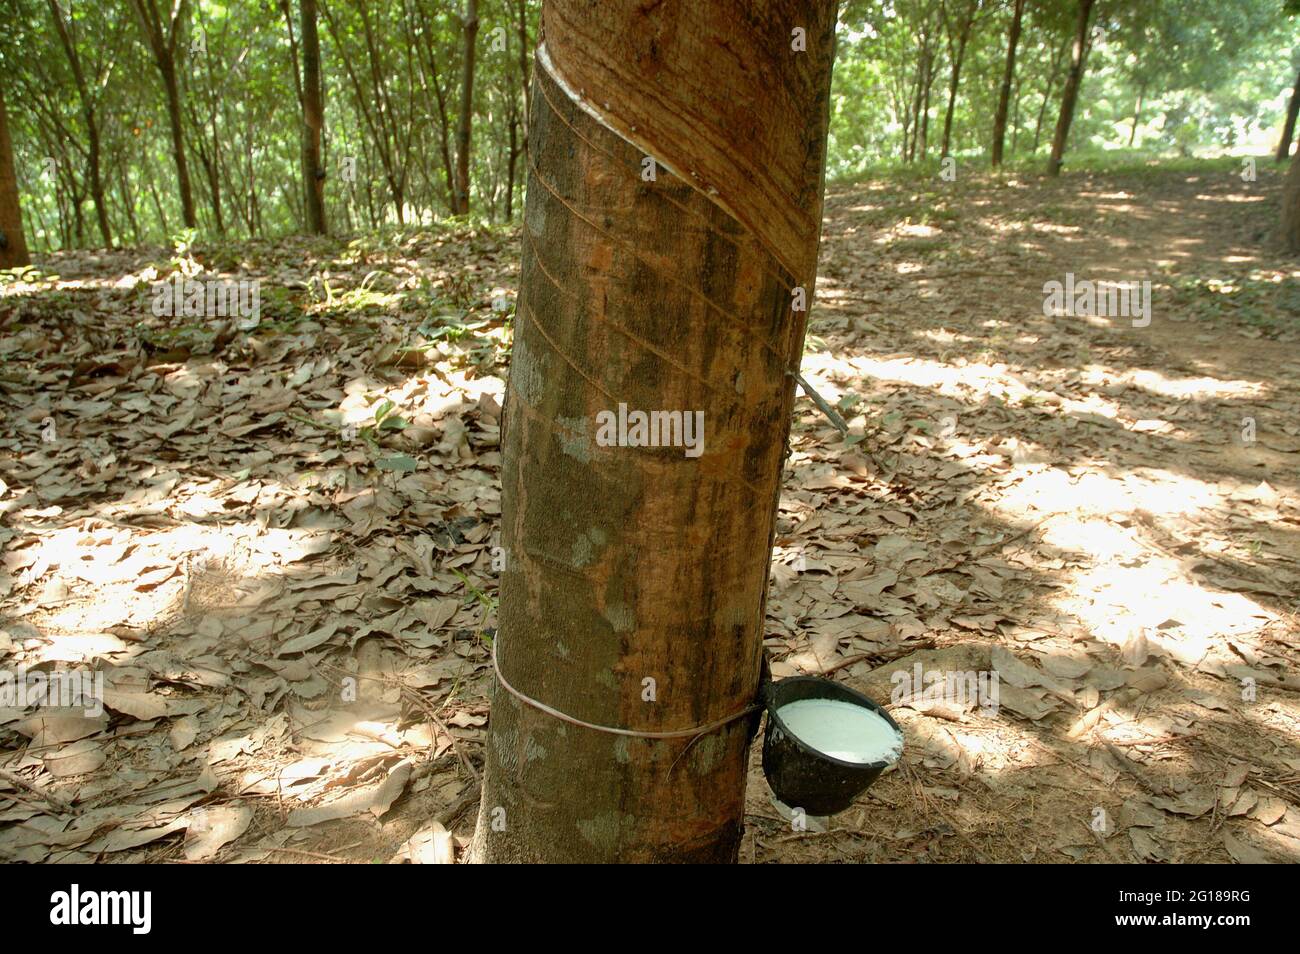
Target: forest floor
(275, 539)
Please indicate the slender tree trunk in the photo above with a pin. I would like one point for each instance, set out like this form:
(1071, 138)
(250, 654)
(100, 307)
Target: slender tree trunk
(1070, 96)
(128, 202)
(463, 126)
(1008, 77)
(92, 123)
(1291, 206)
(1015, 118)
(924, 118)
(313, 119)
(13, 247)
(1288, 127)
(1137, 114)
(162, 39)
(521, 10)
(1047, 96)
(510, 167)
(168, 68)
(957, 55)
(633, 590)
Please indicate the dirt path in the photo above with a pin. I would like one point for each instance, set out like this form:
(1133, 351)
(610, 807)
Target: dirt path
(1138, 544)
(277, 543)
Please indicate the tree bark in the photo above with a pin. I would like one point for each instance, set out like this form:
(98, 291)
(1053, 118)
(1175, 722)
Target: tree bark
(313, 119)
(1047, 94)
(1288, 127)
(1291, 207)
(1137, 113)
(162, 39)
(464, 124)
(1008, 77)
(956, 55)
(625, 564)
(88, 110)
(1070, 95)
(13, 247)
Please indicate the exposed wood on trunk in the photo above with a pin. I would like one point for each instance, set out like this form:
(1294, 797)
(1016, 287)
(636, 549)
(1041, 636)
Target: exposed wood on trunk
(631, 563)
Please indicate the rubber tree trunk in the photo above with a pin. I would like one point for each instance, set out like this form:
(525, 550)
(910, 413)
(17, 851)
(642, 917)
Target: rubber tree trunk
(89, 111)
(676, 155)
(1008, 77)
(1070, 95)
(957, 55)
(313, 119)
(1288, 127)
(13, 247)
(1137, 113)
(466, 119)
(1291, 206)
(168, 68)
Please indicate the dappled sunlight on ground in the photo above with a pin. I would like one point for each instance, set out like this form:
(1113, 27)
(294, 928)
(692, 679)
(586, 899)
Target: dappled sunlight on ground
(278, 543)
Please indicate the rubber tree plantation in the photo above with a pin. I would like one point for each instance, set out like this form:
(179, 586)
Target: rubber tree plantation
(582, 431)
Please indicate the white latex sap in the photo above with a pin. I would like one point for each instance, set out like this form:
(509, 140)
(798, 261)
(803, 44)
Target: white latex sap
(842, 730)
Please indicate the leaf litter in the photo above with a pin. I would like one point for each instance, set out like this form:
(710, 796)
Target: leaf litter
(277, 542)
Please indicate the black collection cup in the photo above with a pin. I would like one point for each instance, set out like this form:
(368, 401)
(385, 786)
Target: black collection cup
(799, 775)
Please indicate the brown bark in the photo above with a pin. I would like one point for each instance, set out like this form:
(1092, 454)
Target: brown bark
(13, 247)
(382, 118)
(1288, 126)
(1008, 77)
(1070, 95)
(626, 563)
(1047, 94)
(956, 56)
(426, 56)
(313, 118)
(469, 26)
(1291, 206)
(162, 39)
(1137, 114)
(88, 110)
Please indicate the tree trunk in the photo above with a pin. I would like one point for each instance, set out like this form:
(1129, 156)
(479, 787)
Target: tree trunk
(924, 118)
(13, 247)
(168, 68)
(633, 589)
(1008, 77)
(92, 123)
(1070, 96)
(521, 9)
(1291, 207)
(466, 109)
(1288, 127)
(1137, 114)
(162, 39)
(957, 56)
(313, 119)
